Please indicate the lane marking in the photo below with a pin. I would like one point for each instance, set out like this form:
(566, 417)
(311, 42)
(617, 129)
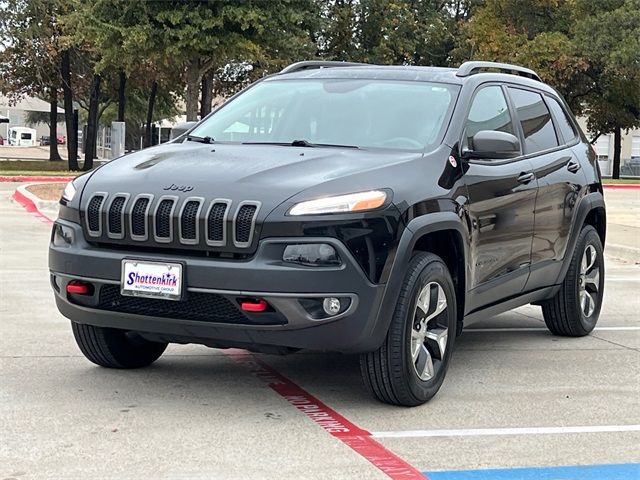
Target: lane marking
(336, 425)
(479, 432)
(544, 329)
(620, 471)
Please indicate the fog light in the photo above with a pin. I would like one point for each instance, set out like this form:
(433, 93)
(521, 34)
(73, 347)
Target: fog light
(331, 306)
(311, 254)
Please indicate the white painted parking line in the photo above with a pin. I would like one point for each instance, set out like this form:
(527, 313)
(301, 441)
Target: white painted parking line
(476, 432)
(544, 329)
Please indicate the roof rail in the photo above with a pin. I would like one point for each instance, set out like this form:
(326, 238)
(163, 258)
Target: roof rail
(470, 68)
(311, 64)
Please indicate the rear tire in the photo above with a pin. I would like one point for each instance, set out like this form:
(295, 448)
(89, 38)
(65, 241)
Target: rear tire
(574, 311)
(113, 348)
(410, 366)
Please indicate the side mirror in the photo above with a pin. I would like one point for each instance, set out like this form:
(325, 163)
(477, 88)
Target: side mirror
(490, 144)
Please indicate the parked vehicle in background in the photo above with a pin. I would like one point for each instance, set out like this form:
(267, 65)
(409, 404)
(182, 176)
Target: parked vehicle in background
(1, 140)
(362, 209)
(45, 140)
(22, 137)
(61, 139)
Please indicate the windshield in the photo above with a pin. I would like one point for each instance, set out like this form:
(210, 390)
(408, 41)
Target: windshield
(349, 112)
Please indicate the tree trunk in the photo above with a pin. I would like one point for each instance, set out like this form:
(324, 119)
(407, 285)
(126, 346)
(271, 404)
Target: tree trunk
(193, 89)
(54, 156)
(121, 95)
(207, 94)
(92, 124)
(152, 100)
(617, 147)
(72, 128)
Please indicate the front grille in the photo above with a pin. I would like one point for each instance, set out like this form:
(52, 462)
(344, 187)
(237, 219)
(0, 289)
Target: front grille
(244, 223)
(94, 212)
(201, 307)
(115, 215)
(163, 219)
(189, 220)
(139, 217)
(215, 222)
(216, 225)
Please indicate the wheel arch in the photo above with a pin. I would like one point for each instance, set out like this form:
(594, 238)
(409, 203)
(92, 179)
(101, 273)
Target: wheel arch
(590, 211)
(423, 233)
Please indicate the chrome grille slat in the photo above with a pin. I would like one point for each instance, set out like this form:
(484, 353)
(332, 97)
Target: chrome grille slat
(244, 223)
(138, 217)
(94, 213)
(115, 215)
(216, 222)
(189, 222)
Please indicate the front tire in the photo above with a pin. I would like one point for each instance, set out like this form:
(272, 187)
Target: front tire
(410, 366)
(575, 309)
(113, 348)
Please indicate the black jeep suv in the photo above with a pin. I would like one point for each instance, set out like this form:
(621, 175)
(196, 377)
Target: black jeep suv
(369, 209)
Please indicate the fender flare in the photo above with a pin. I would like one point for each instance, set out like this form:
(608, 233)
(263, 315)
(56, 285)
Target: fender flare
(418, 227)
(588, 203)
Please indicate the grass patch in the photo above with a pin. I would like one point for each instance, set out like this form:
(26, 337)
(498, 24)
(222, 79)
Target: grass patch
(24, 167)
(614, 181)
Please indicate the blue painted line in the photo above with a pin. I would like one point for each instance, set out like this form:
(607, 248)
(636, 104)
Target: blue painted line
(623, 471)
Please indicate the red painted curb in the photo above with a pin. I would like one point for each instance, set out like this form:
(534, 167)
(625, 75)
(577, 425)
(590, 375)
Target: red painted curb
(27, 178)
(621, 186)
(358, 439)
(30, 207)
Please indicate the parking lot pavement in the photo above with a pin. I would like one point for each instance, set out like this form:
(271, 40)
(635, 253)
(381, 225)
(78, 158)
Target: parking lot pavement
(515, 396)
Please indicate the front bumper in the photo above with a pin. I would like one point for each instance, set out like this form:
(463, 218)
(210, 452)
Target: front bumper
(288, 288)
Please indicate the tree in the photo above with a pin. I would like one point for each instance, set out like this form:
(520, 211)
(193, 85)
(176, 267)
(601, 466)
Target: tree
(29, 64)
(608, 36)
(206, 36)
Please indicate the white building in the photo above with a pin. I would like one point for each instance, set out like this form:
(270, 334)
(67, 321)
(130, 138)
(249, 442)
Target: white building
(17, 115)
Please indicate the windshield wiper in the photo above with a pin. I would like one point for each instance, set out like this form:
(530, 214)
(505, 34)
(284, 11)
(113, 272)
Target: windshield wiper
(194, 138)
(301, 143)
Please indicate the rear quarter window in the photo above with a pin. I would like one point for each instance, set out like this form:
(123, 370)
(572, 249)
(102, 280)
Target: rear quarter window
(562, 120)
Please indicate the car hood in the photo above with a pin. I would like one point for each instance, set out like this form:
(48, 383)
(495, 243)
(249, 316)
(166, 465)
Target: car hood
(269, 174)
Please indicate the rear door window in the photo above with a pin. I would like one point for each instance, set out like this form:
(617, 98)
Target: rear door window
(535, 119)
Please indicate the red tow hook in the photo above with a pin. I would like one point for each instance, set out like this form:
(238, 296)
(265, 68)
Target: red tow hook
(78, 288)
(258, 305)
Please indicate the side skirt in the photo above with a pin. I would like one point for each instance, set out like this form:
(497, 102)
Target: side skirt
(511, 303)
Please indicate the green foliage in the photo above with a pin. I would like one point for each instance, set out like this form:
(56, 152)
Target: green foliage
(35, 118)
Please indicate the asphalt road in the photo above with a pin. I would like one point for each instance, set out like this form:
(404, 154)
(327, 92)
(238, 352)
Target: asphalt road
(199, 413)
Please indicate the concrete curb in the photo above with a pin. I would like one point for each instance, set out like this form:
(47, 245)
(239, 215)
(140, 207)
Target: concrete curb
(27, 178)
(621, 186)
(33, 204)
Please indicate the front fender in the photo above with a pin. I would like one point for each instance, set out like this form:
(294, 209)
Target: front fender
(417, 228)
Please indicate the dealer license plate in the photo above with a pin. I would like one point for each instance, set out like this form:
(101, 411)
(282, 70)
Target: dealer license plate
(151, 279)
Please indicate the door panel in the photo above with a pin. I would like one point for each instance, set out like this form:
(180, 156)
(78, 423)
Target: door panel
(559, 184)
(502, 217)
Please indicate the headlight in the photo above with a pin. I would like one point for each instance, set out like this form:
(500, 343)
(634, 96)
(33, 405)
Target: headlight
(352, 202)
(69, 192)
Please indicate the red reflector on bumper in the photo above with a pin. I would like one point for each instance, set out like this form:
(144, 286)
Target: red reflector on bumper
(253, 306)
(78, 288)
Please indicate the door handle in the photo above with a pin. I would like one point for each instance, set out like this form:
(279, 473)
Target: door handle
(526, 177)
(573, 166)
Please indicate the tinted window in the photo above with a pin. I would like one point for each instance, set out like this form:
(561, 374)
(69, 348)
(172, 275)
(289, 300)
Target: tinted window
(489, 111)
(358, 112)
(563, 122)
(535, 119)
